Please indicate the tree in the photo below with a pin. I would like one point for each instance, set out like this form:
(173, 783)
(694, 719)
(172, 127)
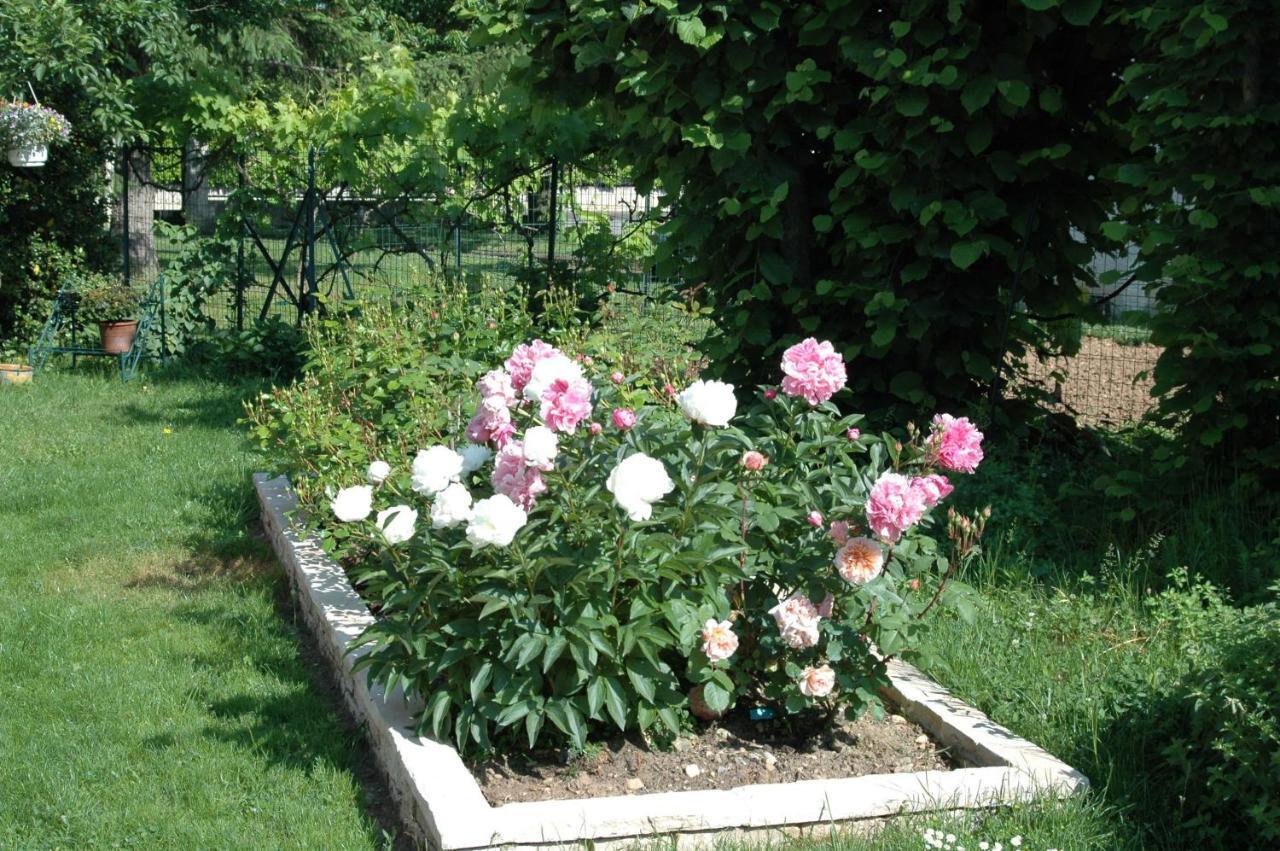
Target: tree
(910, 180)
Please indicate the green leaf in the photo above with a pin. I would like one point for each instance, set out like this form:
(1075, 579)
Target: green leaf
(965, 254)
(616, 702)
(912, 102)
(1080, 12)
(977, 93)
(690, 31)
(717, 697)
(1039, 5)
(774, 269)
(978, 136)
(1015, 92)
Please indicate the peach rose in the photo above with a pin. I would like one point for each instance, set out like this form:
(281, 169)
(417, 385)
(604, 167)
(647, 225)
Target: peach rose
(718, 640)
(817, 682)
(860, 561)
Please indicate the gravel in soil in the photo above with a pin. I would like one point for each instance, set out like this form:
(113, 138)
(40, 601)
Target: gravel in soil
(735, 752)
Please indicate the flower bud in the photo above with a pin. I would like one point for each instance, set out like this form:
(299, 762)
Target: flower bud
(754, 461)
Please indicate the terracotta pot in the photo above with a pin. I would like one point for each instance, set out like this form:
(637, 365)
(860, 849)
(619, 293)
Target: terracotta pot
(14, 373)
(33, 157)
(117, 337)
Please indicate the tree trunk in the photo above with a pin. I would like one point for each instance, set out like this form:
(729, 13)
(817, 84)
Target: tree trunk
(196, 209)
(133, 216)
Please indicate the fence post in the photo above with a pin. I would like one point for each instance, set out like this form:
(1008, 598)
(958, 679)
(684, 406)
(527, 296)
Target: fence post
(124, 213)
(552, 215)
(240, 167)
(310, 240)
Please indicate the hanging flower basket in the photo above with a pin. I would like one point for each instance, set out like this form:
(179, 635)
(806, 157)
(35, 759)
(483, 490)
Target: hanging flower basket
(27, 130)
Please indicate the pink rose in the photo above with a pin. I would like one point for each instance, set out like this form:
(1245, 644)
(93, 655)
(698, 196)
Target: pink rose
(515, 479)
(933, 488)
(565, 403)
(815, 519)
(595, 428)
(853, 434)
(491, 423)
(623, 418)
(797, 619)
(770, 394)
(718, 640)
(497, 384)
(814, 371)
(839, 532)
(893, 506)
(523, 359)
(859, 561)
(817, 682)
(956, 443)
(754, 461)
(617, 377)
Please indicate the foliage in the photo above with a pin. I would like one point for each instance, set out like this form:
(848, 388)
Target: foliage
(196, 270)
(1205, 209)
(592, 617)
(30, 125)
(896, 178)
(271, 348)
(385, 378)
(108, 300)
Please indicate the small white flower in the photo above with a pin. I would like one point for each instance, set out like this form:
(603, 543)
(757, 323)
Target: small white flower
(984, 845)
(434, 469)
(452, 506)
(378, 472)
(541, 447)
(495, 521)
(637, 483)
(951, 837)
(474, 457)
(1016, 842)
(549, 370)
(353, 503)
(397, 523)
(710, 403)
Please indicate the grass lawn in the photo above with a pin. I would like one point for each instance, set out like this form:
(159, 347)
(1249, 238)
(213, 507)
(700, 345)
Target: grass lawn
(155, 691)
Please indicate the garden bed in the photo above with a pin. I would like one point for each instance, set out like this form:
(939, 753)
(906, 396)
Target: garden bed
(443, 806)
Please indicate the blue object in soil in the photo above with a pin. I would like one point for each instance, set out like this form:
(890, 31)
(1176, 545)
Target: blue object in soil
(761, 713)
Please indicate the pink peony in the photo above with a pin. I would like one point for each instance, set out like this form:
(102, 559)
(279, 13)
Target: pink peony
(523, 359)
(770, 394)
(956, 443)
(754, 461)
(565, 403)
(617, 377)
(893, 506)
(815, 519)
(839, 532)
(797, 619)
(933, 488)
(814, 371)
(669, 390)
(497, 384)
(515, 479)
(853, 434)
(624, 418)
(595, 428)
(718, 640)
(491, 424)
(817, 682)
(859, 561)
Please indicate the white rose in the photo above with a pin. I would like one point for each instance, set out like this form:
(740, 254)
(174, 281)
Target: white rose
(397, 523)
(378, 472)
(637, 483)
(474, 457)
(708, 402)
(434, 469)
(548, 370)
(495, 521)
(452, 506)
(353, 504)
(541, 447)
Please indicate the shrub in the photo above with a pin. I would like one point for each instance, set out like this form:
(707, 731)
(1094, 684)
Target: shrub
(669, 554)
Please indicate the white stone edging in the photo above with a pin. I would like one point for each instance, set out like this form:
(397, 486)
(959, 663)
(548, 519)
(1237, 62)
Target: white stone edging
(443, 807)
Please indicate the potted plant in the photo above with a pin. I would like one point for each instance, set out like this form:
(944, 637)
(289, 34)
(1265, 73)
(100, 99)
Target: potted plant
(114, 307)
(27, 129)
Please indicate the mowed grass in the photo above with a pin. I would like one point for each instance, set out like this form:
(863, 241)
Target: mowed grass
(155, 691)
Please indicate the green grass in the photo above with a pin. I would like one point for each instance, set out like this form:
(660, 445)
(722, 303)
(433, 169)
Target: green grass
(155, 691)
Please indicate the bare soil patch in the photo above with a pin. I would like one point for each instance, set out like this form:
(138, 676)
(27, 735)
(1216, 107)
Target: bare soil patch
(736, 752)
(1106, 384)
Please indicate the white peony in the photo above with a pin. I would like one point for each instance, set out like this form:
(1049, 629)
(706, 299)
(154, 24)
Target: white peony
(547, 371)
(637, 483)
(397, 523)
(434, 469)
(353, 503)
(452, 506)
(541, 447)
(378, 472)
(708, 402)
(495, 521)
(474, 457)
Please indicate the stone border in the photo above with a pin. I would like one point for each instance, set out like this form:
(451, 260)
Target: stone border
(443, 808)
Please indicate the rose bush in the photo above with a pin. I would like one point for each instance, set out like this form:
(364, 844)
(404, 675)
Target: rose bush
(586, 574)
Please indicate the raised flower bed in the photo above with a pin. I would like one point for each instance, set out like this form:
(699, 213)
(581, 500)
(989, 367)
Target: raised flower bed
(636, 576)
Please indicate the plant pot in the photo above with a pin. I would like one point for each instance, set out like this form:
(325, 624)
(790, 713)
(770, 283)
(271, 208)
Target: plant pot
(117, 337)
(14, 373)
(30, 157)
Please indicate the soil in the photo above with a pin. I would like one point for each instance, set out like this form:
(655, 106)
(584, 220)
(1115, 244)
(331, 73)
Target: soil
(735, 752)
(1106, 384)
